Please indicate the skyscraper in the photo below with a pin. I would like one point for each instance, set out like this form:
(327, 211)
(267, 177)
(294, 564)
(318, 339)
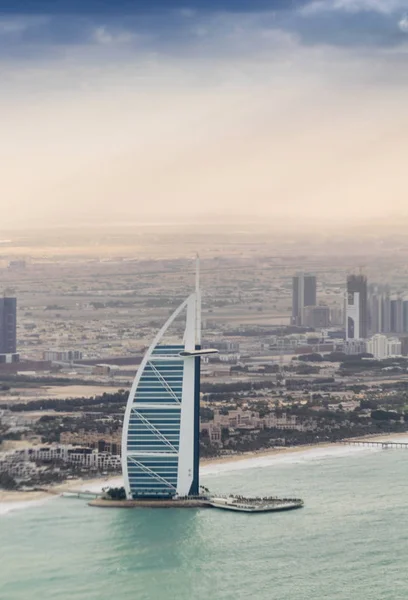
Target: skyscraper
(8, 325)
(397, 315)
(356, 308)
(374, 310)
(405, 315)
(160, 440)
(386, 312)
(303, 294)
(317, 317)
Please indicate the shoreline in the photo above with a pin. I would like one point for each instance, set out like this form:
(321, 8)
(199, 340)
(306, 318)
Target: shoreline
(280, 450)
(8, 497)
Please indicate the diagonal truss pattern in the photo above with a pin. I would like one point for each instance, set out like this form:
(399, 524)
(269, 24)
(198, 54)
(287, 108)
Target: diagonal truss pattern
(164, 382)
(154, 475)
(154, 430)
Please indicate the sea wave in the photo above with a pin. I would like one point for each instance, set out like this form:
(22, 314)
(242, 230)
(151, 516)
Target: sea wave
(8, 507)
(309, 454)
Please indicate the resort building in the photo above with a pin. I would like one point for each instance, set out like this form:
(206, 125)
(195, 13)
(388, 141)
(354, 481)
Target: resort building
(160, 442)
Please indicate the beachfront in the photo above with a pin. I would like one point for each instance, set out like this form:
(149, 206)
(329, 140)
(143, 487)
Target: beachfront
(10, 500)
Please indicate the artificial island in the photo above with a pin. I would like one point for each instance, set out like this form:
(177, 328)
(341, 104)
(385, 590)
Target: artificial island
(160, 439)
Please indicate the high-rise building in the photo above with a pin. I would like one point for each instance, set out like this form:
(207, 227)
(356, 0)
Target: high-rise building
(405, 315)
(160, 440)
(397, 315)
(356, 308)
(386, 313)
(303, 294)
(317, 317)
(374, 312)
(8, 325)
(336, 316)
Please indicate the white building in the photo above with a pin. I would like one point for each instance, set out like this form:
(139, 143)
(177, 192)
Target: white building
(62, 355)
(382, 347)
(17, 460)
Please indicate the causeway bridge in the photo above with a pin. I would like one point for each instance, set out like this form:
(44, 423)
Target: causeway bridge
(371, 443)
(84, 494)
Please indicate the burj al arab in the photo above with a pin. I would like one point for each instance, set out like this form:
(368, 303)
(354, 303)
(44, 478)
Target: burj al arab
(160, 440)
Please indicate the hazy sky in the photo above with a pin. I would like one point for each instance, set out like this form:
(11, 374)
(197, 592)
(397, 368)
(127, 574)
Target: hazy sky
(166, 108)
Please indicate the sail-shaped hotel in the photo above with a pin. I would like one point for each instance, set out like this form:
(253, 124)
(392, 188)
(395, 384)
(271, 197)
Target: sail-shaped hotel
(160, 442)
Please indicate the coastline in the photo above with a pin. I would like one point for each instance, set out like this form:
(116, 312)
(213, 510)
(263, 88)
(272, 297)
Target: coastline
(281, 450)
(14, 498)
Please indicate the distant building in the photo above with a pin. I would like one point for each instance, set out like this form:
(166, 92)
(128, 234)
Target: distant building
(377, 346)
(397, 315)
(381, 347)
(303, 294)
(354, 347)
(84, 457)
(225, 346)
(394, 347)
(336, 316)
(405, 315)
(57, 355)
(8, 326)
(317, 317)
(356, 308)
(387, 314)
(103, 369)
(404, 345)
(375, 312)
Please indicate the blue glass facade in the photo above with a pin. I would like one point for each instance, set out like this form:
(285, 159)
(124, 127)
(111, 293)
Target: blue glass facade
(154, 425)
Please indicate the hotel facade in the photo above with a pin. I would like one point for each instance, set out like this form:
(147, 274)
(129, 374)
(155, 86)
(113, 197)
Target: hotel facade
(160, 440)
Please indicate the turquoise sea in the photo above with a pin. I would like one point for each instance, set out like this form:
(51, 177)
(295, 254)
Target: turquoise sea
(350, 542)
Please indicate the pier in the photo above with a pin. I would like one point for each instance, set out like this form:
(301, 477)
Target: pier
(370, 443)
(85, 495)
(230, 502)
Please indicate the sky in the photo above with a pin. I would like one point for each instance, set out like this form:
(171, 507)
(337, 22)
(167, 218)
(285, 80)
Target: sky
(133, 110)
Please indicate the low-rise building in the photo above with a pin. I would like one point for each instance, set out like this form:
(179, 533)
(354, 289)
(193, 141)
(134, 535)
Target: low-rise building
(381, 346)
(61, 355)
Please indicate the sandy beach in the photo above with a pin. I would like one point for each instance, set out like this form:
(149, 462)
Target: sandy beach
(291, 449)
(96, 484)
(79, 484)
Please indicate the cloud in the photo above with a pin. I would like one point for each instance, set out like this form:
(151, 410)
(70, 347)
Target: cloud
(385, 7)
(187, 13)
(268, 112)
(104, 36)
(403, 24)
(13, 25)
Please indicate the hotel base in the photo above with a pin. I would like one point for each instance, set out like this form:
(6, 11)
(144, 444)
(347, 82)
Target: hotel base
(234, 503)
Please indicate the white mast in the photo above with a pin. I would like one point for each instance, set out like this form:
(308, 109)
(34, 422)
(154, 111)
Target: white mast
(198, 302)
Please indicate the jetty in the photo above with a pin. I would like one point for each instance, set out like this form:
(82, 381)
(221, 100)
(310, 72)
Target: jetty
(375, 444)
(231, 502)
(83, 494)
(255, 505)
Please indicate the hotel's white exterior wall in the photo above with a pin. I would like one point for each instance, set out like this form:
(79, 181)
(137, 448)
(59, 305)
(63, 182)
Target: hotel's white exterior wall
(160, 433)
